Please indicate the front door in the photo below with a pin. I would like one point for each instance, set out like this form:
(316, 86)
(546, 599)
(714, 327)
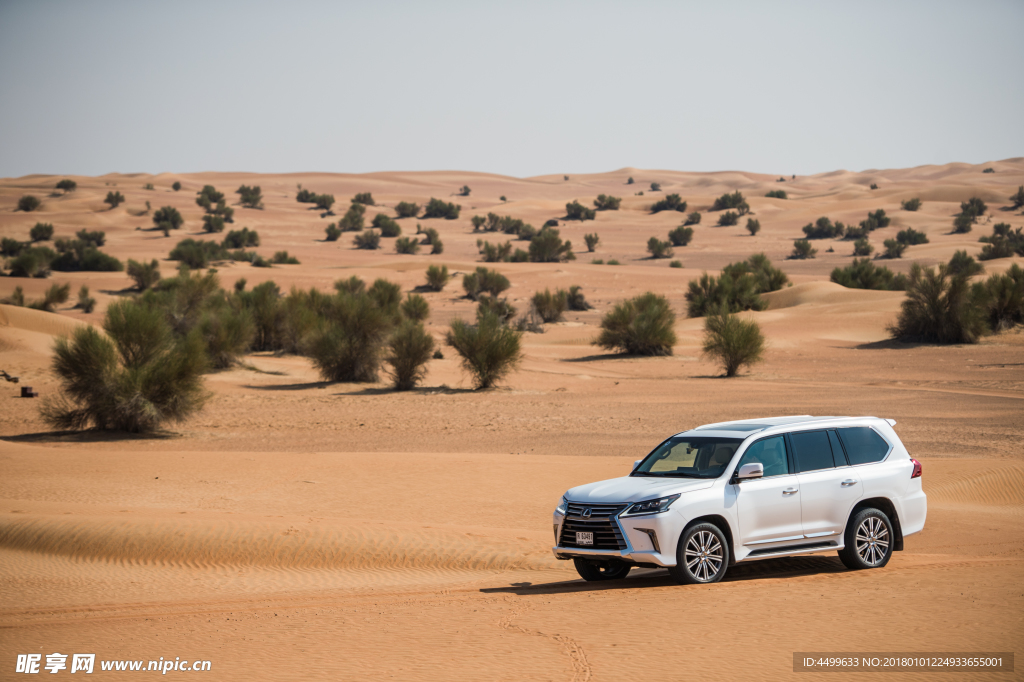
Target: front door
(768, 508)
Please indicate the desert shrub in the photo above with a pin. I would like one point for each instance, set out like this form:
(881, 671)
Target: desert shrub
(197, 253)
(672, 202)
(738, 288)
(304, 196)
(863, 274)
(732, 342)
(550, 223)
(676, 264)
(655, 186)
(777, 193)
(1018, 197)
(575, 300)
(962, 264)
(613, 261)
(29, 203)
(802, 249)
(324, 201)
(734, 200)
(66, 185)
(728, 219)
(407, 209)
(145, 275)
(352, 221)
(365, 198)
(430, 235)
(258, 261)
(367, 239)
(592, 240)
(333, 232)
(492, 305)
(17, 298)
(148, 185)
(484, 281)
(911, 237)
(862, 247)
(437, 208)
(911, 204)
(1003, 298)
(407, 245)
(753, 226)
(52, 297)
(32, 262)
(658, 248)
(577, 211)
(963, 223)
(114, 199)
(823, 229)
(86, 303)
(213, 223)
(939, 308)
(893, 248)
(875, 220)
(989, 170)
(550, 306)
(251, 197)
(1003, 243)
(136, 378)
(494, 253)
(176, 186)
(387, 225)
(282, 258)
(436, 247)
(349, 345)
(547, 247)
(478, 222)
(415, 308)
(527, 232)
(464, 191)
(168, 217)
(606, 202)
(410, 347)
(437, 277)
(490, 350)
(854, 233)
(10, 247)
(240, 239)
(974, 207)
(92, 237)
(681, 236)
(41, 232)
(874, 185)
(352, 285)
(639, 326)
(78, 255)
(630, 181)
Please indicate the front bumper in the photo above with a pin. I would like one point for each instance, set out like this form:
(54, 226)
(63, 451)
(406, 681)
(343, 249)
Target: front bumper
(650, 541)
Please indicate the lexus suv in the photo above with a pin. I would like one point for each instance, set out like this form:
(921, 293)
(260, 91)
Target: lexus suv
(740, 491)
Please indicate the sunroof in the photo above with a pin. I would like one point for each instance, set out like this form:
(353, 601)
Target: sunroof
(734, 427)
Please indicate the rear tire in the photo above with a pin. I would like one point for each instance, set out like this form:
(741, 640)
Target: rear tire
(869, 540)
(593, 570)
(702, 556)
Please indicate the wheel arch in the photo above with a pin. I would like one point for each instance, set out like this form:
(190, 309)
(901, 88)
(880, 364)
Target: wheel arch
(885, 505)
(719, 522)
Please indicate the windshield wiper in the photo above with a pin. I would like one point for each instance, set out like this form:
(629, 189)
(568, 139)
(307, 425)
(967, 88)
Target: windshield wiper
(663, 474)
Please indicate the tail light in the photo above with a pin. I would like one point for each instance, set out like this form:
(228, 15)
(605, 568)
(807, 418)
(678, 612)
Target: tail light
(917, 468)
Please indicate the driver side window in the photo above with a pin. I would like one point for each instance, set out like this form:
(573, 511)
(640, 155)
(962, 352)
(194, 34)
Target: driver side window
(771, 452)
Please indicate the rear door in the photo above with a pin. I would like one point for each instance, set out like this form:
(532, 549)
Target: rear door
(768, 508)
(828, 488)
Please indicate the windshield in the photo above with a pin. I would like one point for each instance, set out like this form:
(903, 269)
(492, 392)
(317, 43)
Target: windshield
(689, 457)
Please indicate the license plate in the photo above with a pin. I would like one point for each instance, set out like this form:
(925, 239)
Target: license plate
(584, 538)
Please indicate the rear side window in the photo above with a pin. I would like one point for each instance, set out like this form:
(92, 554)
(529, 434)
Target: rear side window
(812, 451)
(863, 445)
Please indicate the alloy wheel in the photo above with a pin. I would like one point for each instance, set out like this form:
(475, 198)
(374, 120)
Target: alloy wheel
(872, 540)
(704, 555)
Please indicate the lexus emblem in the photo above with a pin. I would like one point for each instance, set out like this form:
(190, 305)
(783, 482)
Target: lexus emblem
(586, 513)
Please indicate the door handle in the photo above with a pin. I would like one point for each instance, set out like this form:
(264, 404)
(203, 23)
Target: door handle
(789, 491)
(848, 482)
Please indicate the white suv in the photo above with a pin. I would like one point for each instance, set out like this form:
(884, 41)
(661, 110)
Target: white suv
(745, 490)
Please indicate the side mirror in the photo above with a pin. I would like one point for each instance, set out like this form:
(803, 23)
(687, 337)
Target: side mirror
(749, 471)
(635, 464)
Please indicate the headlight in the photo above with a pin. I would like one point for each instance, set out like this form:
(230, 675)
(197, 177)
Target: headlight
(560, 509)
(651, 506)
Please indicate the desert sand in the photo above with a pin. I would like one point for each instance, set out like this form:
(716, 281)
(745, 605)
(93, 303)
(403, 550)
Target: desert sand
(298, 529)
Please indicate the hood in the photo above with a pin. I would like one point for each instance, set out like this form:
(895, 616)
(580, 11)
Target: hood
(634, 489)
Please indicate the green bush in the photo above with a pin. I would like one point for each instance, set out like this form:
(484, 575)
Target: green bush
(32, 262)
(484, 281)
(753, 226)
(655, 186)
(550, 307)
(324, 201)
(939, 308)
(489, 350)
(437, 208)
(963, 223)
(734, 200)
(732, 342)
(54, 296)
(282, 258)
(863, 274)
(92, 237)
(1003, 243)
(17, 298)
(352, 285)
(606, 202)
(672, 202)
(136, 378)
(676, 264)
(527, 232)
(592, 240)
(29, 203)
(304, 196)
(437, 277)
(367, 239)
(410, 347)
(547, 247)
(1003, 298)
(639, 326)
(974, 207)
(575, 300)
(911, 237)
(240, 239)
(41, 232)
(349, 345)
(352, 221)
(738, 288)
(67, 185)
(415, 308)
(145, 275)
(387, 226)
(728, 219)
(630, 180)
(365, 198)
(197, 254)
(874, 186)
(168, 218)
(824, 229)
(854, 233)
(464, 191)
(494, 253)
(10, 247)
(577, 211)
(1018, 197)
(862, 247)
(430, 235)
(613, 261)
(550, 223)
(658, 248)
(251, 197)
(333, 232)
(407, 209)
(176, 186)
(407, 245)
(681, 236)
(693, 219)
(78, 255)
(213, 223)
(436, 247)
(478, 222)
(777, 194)
(962, 264)
(911, 204)
(874, 221)
(802, 249)
(86, 303)
(114, 199)
(893, 248)
(492, 305)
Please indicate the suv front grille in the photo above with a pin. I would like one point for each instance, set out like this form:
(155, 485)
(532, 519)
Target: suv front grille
(601, 523)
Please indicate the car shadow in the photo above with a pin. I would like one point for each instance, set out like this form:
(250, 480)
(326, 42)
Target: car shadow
(645, 578)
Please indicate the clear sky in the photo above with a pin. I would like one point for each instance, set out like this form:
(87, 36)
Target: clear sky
(519, 88)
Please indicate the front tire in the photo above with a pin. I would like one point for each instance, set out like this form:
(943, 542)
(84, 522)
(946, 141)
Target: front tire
(702, 556)
(869, 540)
(593, 570)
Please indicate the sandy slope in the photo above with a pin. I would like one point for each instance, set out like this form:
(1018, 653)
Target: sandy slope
(300, 529)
